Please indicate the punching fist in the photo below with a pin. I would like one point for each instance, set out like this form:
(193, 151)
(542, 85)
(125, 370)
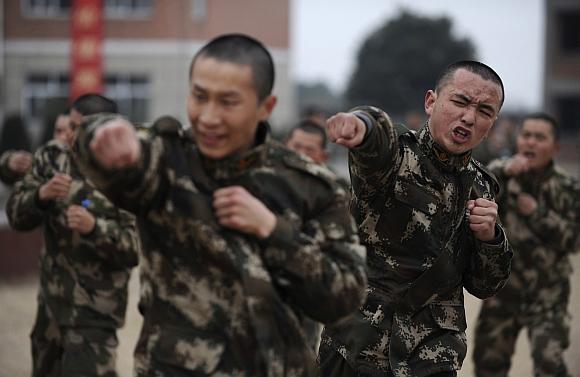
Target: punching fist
(115, 145)
(345, 129)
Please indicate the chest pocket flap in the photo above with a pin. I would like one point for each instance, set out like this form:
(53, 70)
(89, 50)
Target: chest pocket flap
(415, 196)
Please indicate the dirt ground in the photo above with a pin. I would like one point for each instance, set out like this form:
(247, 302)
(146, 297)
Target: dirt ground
(17, 309)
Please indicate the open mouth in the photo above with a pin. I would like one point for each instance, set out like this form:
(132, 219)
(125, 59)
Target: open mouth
(529, 154)
(461, 135)
(211, 139)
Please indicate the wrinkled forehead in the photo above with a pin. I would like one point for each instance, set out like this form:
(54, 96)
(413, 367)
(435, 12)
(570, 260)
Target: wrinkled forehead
(476, 88)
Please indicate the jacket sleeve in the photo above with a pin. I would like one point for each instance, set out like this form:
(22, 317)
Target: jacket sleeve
(489, 266)
(114, 237)
(372, 162)
(24, 210)
(320, 264)
(133, 189)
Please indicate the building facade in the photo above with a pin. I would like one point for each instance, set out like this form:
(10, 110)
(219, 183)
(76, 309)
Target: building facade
(147, 49)
(562, 63)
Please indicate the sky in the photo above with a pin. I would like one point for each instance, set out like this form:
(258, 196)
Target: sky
(508, 36)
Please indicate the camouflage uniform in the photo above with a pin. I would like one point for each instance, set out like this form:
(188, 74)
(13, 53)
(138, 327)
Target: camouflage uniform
(536, 295)
(83, 278)
(220, 302)
(7, 175)
(409, 199)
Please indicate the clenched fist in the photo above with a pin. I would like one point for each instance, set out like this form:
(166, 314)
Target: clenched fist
(56, 188)
(115, 145)
(345, 129)
(237, 209)
(482, 218)
(79, 219)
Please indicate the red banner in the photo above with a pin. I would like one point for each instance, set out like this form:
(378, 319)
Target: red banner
(86, 47)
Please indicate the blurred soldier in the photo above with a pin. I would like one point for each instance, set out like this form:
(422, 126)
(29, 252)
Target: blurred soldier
(540, 209)
(308, 138)
(90, 248)
(14, 164)
(426, 214)
(64, 130)
(242, 238)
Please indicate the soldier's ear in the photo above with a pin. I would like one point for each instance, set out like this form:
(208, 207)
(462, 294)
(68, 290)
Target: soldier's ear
(266, 107)
(430, 98)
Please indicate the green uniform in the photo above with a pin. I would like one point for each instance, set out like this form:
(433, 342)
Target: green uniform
(220, 302)
(83, 278)
(409, 201)
(537, 293)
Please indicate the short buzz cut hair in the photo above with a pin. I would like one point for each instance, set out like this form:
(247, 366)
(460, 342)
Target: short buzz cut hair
(94, 103)
(480, 69)
(556, 131)
(310, 127)
(243, 50)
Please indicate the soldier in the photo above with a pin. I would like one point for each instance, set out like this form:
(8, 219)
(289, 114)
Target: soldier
(242, 238)
(540, 209)
(308, 138)
(425, 212)
(15, 163)
(90, 248)
(63, 128)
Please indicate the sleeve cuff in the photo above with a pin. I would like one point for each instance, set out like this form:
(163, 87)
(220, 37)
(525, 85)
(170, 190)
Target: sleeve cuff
(497, 241)
(367, 120)
(282, 235)
(43, 206)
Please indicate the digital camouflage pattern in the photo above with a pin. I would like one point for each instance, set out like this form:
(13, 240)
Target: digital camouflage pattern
(219, 302)
(409, 199)
(537, 293)
(7, 175)
(83, 279)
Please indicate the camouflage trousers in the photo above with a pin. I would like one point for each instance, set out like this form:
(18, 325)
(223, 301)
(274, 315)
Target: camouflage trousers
(497, 330)
(59, 351)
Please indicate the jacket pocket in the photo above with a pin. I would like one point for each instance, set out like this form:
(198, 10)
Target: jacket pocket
(449, 316)
(415, 196)
(190, 350)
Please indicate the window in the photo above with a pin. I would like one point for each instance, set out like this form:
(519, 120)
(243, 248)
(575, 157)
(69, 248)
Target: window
(44, 95)
(61, 8)
(40, 89)
(128, 8)
(198, 10)
(131, 92)
(46, 8)
(43, 91)
(569, 31)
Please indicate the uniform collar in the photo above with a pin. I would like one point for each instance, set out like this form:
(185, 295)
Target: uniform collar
(435, 153)
(230, 167)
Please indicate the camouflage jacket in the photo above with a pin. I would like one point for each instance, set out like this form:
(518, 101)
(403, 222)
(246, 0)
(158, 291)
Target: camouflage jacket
(83, 278)
(7, 175)
(543, 240)
(222, 302)
(409, 201)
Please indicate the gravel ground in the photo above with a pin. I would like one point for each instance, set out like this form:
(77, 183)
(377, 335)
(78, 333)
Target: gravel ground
(17, 303)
